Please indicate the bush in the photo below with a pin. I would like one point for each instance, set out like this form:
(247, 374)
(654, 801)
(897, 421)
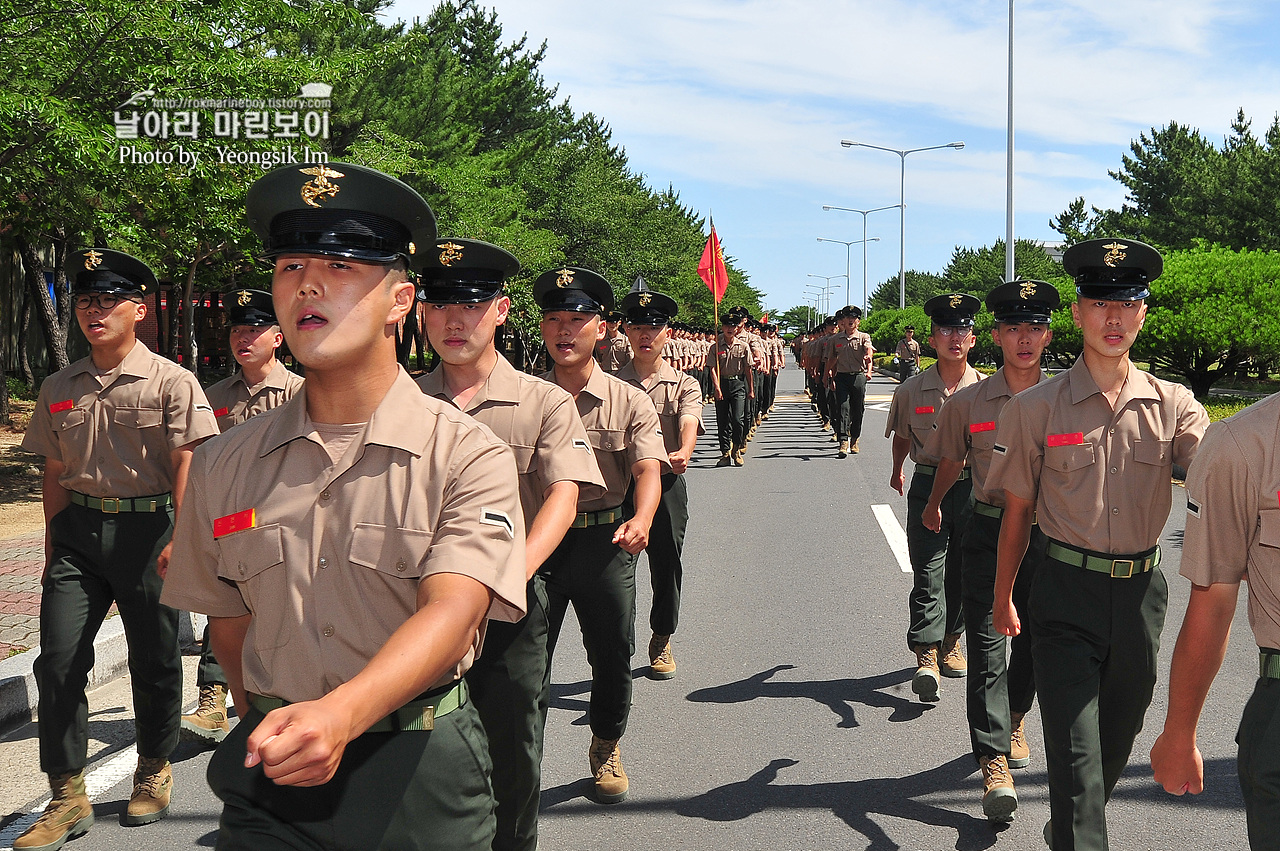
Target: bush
(19, 390)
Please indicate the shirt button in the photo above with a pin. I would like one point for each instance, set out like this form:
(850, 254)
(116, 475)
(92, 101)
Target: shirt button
(1115, 470)
(1115, 511)
(328, 632)
(400, 565)
(242, 570)
(324, 494)
(324, 562)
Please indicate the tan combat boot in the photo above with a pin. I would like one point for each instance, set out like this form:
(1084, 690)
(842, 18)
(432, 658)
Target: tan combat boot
(68, 815)
(739, 457)
(152, 785)
(998, 798)
(1019, 753)
(208, 725)
(844, 448)
(725, 460)
(953, 663)
(926, 680)
(854, 448)
(662, 664)
(606, 768)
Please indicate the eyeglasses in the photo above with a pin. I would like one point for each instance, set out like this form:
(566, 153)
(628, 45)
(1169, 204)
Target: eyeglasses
(943, 331)
(105, 301)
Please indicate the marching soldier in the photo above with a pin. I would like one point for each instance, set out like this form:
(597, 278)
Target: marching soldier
(908, 354)
(999, 695)
(261, 383)
(116, 430)
(848, 370)
(937, 619)
(1089, 455)
(349, 547)
(613, 350)
(679, 403)
(730, 363)
(595, 565)
(462, 285)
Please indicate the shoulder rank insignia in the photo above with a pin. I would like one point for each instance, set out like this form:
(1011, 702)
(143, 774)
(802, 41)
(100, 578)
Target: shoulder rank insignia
(319, 187)
(1115, 253)
(450, 253)
(92, 259)
(565, 278)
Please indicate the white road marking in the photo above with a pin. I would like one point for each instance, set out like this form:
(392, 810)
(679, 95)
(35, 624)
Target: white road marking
(894, 534)
(103, 776)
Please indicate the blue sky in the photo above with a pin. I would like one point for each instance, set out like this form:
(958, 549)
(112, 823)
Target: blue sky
(741, 104)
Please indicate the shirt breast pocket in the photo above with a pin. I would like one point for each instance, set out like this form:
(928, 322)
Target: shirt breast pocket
(1069, 459)
(1155, 452)
(607, 440)
(526, 459)
(393, 552)
(1269, 527)
(68, 421)
(669, 408)
(138, 417)
(253, 559)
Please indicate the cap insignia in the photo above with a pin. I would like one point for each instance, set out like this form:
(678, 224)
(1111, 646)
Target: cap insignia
(413, 249)
(565, 278)
(1115, 253)
(244, 298)
(956, 299)
(92, 259)
(1028, 291)
(319, 186)
(450, 253)
(644, 299)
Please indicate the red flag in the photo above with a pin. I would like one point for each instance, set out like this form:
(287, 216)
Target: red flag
(764, 317)
(711, 267)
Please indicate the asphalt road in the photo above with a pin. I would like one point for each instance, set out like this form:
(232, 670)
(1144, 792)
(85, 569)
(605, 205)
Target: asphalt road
(790, 722)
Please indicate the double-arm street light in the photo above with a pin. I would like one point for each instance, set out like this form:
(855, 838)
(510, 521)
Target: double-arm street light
(848, 247)
(902, 190)
(824, 293)
(864, 213)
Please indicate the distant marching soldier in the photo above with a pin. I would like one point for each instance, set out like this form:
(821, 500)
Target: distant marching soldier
(679, 403)
(730, 363)
(116, 430)
(462, 285)
(261, 383)
(849, 370)
(594, 568)
(999, 695)
(908, 353)
(613, 350)
(1089, 454)
(936, 613)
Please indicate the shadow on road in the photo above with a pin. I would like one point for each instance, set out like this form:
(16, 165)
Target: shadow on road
(836, 695)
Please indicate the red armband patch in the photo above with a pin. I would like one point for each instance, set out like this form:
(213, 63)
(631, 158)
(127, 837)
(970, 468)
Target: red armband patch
(1074, 439)
(237, 522)
(59, 407)
(925, 409)
(974, 428)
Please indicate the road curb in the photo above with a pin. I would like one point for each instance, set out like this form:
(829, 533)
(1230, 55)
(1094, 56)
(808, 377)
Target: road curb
(18, 693)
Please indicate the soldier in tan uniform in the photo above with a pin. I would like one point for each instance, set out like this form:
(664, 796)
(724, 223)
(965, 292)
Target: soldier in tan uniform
(679, 403)
(999, 694)
(730, 364)
(908, 354)
(613, 351)
(116, 430)
(1089, 454)
(848, 370)
(261, 383)
(462, 285)
(936, 613)
(1232, 533)
(349, 548)
(594, 568)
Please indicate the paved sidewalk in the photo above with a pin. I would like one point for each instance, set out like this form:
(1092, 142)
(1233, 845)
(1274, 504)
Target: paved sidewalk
(21, 561)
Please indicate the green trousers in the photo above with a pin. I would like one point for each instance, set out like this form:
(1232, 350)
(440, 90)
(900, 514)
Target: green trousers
(1094, 641)
(1258, 765)
(506, 687)
(934, 605)
(851, 398)
(209, 671)
(731, 413)
(666, 543)
(98, 559)
(599, 578)
(996, 687)
(424, 790)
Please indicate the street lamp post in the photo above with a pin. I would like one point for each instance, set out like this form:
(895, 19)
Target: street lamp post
(864, 213)
(902, 196)
(824, 291)
(848, 248)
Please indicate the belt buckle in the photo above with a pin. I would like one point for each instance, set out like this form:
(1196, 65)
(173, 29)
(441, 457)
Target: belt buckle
(1117, 562)
(115, 505)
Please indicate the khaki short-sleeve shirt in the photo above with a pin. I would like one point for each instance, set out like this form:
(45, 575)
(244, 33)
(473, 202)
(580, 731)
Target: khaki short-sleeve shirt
(1100, 478)
(623, 428)
(1233, 512)
(539, 422)
(674, 394)
(114, 431)
(735, 358)
(328, 557)
(612, 354)
(233, 401)
(850, 351)
(916, 405)
(965, 430)
(908, 349)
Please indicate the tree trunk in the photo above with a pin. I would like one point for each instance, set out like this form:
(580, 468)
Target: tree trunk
(1201, 381)
(61, 286)
(24, 360)
(189, 355)
(4, 384)
(54, 335)
(174, 311)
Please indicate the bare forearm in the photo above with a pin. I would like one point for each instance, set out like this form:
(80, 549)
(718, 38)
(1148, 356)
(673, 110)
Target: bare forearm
(943, 479)
(1015, 535)
(648, 490)
(1198, 655)
(227, 637)
(901, 449)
